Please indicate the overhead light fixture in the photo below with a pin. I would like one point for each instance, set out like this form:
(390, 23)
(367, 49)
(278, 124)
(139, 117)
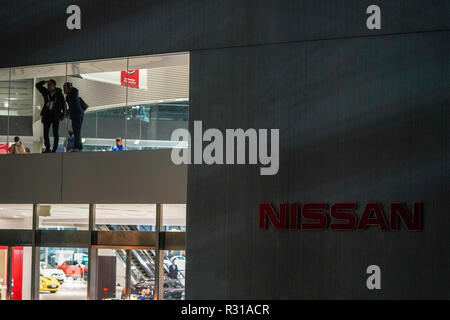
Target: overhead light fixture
(6, 104)
(83, 140)
(137, 142)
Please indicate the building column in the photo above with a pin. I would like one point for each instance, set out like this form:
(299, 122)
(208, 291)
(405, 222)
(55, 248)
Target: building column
(127, 274)
(159, 263)
(92, 292)
(9, 267)
(35, 256)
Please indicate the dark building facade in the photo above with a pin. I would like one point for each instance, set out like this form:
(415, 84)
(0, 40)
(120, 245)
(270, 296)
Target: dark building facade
(364, 116)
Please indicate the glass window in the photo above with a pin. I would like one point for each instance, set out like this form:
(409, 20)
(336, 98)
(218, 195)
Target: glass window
(4, 103)
(121, 217)
(63, 273)
(102, 86)
(140, 100)
(142, 274)
(175, 274)
(27, 105)
(63, 216)
(174, 217)
(16, 216)
(158, 100)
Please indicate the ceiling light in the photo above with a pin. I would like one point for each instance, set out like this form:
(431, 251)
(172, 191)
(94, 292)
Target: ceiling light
(137, 142)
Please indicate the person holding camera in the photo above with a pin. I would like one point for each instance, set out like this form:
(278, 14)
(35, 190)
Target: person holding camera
(76, 113)
(52, 112)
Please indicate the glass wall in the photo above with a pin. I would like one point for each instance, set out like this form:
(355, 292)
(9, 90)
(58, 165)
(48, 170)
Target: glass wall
(63, 273)
(63, 257)
(174, 218)
(175, 274)
(63, 216)
(16, 216)
(125, 217)
(128, 104)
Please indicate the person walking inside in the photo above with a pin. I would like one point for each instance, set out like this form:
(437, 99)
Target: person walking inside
(52, 111)
(76, 113)
(17, 147)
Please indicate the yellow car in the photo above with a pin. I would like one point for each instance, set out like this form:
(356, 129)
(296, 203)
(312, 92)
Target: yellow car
(48, 284)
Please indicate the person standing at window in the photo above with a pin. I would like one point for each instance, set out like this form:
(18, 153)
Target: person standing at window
(52, 111)
(76, 113)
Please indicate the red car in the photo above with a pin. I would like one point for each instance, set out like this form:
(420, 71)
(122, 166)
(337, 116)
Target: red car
(74, 269)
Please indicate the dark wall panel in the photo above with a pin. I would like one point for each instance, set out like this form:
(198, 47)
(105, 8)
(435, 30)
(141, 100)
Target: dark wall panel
(35, 31)
(21, 126)
(31, 178)
(360, 120)
(93, 177)
(123, 177)
(18, 125)
(4, 125)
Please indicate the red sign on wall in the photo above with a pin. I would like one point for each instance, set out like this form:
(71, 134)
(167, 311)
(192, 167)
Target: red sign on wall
(3, 148)
(130, 78)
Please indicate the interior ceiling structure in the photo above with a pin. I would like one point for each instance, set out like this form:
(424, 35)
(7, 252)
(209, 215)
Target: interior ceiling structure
(75, 214)
(168, 79)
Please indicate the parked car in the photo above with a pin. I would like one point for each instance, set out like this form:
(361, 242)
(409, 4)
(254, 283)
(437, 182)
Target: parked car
(74, 269)
(172, 290)
(48, 284)
(51, 272)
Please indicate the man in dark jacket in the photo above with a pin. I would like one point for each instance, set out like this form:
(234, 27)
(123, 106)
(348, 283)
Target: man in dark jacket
(173, 270)
(52, 111)
(76, 113)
